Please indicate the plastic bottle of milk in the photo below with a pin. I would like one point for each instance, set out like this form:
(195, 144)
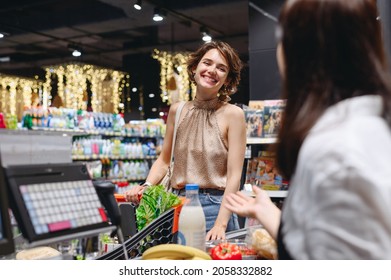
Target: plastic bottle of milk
(191, 224)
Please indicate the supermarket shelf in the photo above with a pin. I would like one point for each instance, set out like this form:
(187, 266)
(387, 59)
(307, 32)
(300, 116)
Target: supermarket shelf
(79, 132)
(272, 194)
(96, 157)
(261, 140)
(277, 194)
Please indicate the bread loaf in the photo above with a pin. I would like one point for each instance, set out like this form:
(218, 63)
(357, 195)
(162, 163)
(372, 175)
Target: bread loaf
(264, 244)
(38, 253)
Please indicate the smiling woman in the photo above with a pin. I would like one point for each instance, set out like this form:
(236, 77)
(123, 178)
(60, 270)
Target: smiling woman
(211, 137)
(218, 61)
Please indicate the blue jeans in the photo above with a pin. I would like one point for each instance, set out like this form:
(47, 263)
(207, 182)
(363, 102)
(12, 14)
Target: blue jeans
(211, 206)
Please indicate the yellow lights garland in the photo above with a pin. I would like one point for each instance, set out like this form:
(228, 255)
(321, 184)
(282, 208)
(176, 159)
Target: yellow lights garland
(174, 79)
(106, 86)
(16, 93)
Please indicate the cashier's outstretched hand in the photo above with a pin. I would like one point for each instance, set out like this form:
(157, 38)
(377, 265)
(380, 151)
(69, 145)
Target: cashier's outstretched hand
(134, 194)
(260, 207)
(247, 206)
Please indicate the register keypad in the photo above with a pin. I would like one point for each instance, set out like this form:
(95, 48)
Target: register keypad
(62, 205)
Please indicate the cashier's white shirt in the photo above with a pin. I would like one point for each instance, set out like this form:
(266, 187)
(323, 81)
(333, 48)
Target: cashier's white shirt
(339, 202)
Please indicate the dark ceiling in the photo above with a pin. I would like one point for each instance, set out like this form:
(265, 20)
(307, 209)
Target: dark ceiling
(40, 33)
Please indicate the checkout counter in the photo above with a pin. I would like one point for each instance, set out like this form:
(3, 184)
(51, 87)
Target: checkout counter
(47, 193)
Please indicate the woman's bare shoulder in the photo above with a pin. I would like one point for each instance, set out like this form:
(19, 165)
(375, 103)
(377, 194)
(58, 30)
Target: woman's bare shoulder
(233, 111)
(174, 107)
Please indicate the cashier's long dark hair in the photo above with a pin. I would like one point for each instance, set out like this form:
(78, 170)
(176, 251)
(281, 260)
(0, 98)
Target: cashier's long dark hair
(333, 50)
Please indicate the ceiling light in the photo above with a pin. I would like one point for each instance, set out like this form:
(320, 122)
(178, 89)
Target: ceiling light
(206, 37)
(76, 50)
(157, 15)
(137, 5)
(5, 59)
(76, 53)
(3, 34)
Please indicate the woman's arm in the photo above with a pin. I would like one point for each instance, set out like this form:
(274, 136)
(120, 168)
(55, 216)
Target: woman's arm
(160, 166)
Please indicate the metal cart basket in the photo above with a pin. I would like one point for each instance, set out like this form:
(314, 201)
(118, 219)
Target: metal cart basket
(162, 230)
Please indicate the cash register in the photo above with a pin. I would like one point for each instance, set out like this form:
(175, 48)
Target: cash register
(52, 203)
(6, 235)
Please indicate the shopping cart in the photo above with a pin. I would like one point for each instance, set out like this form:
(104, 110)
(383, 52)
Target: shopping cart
(162, 230)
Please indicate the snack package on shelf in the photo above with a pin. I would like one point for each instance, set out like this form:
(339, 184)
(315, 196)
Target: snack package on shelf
(267, 176)
(272, 112)
(254, 123)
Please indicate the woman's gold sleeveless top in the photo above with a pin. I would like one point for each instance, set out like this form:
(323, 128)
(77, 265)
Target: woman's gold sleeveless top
(200, 155)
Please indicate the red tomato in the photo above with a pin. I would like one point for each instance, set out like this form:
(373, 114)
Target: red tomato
(226, 251)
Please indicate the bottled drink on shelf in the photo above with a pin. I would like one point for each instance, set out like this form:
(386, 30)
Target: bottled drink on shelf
(192, 225)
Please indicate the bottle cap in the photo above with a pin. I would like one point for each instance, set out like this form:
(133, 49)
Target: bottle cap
(190, 187)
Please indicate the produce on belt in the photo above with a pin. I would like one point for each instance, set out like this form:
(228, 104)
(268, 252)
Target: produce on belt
(174, 252)
(226, 251)
(264, 244)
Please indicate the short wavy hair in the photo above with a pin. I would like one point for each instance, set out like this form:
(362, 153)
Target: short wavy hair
(234, 63)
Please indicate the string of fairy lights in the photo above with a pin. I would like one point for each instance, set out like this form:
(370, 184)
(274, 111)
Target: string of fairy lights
(107, 86)
(175, 84)
(17, 93)
(109, 89)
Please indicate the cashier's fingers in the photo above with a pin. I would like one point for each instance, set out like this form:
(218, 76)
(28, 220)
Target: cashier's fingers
(245, 198)
(231, 203)
(240, 205)
(238, 199)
